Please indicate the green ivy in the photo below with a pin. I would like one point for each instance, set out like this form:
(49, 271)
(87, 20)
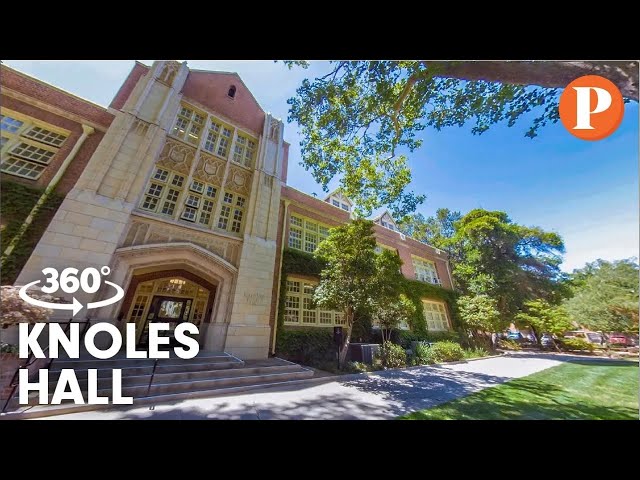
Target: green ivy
(17, 200)
(302, 263)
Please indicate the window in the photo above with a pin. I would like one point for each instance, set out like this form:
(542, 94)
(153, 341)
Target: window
(425, 271)
(243, 151)
(162, 192)
(189, 125)
(381, 248)
(232, 91)
(218, 139)
(231, 212)
(345, 207)
(436, 315)
(26, 148)
(300, 309)
(335, 202)
(305, 234)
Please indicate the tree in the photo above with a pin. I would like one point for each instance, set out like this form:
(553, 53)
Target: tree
(436, 231)
(15, 310)
(543, 317)
(605, 296)
(510, 263)
(389, 314)
(355, 278)
(361, 119)
(479, 313)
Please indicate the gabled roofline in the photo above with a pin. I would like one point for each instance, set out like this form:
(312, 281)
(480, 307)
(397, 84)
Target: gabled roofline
(333, 192)
(219, 72)
(387, 212)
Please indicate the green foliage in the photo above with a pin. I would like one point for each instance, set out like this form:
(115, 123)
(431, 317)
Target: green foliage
(17, 200)
(9, 348)
(605, 296)
(421, 354)
(360, 120)
(508, 262)
(302, 263)
(406, 337)
(390, 312)
(579, 344)
(476, 352)
(445, 351)
(435, 231)
(543, 318)
(359, 367)
(480, 313)
(392, 355)
(309, 346)
(508, 344)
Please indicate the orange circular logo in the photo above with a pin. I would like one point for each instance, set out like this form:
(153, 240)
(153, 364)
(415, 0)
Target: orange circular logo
(591, 107)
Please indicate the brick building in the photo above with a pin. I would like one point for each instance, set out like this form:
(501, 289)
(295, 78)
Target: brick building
(179, 187)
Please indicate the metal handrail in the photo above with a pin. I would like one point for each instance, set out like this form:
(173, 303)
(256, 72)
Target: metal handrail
(31, 359)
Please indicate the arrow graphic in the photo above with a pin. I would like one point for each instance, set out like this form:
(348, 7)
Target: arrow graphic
(76, 306)
(108, 301)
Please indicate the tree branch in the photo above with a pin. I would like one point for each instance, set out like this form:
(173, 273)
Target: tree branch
(544, 73)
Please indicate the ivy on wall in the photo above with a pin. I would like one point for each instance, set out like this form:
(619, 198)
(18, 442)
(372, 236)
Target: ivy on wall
(17, 200)
(302, 263)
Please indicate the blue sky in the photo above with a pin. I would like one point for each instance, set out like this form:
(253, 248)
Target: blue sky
(586, 191)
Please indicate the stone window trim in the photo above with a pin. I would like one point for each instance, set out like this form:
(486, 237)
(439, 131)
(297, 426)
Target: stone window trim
(216, 134)
(425, 270)
(305, 234)
(436, 315)
(300, 308)
(28, 144)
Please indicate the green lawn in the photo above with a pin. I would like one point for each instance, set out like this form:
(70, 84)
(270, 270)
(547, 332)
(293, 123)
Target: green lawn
(586, 390)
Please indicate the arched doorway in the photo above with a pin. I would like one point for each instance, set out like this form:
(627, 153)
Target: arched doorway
(170, 296)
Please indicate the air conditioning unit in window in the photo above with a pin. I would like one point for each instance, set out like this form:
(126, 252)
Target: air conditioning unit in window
(403, 236)
(438, 251)
(436, 281)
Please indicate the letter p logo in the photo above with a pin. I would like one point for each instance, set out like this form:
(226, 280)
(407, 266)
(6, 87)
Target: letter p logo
(591, 107)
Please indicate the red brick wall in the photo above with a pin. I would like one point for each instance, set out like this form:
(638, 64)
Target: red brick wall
(46, 93)
(321, 211)
(210, 90)
(79, 162)
(126, 88)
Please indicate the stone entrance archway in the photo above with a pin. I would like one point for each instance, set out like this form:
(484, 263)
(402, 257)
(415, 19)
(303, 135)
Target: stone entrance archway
(142, 263)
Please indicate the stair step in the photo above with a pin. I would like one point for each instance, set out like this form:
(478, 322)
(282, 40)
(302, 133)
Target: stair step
(83, 364)
(138, 387)
(27, 412)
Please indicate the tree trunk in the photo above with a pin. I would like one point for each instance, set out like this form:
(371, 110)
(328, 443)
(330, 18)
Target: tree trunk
(538, 339)
(551, 74)
(347, 338)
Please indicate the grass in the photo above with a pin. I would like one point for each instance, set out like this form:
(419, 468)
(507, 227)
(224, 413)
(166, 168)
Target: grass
(576, 390)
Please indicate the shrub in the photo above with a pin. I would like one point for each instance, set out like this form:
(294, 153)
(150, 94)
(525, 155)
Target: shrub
(509, 344)
(309, 346)
(358, 367)
(576, 344)
(445, 352)
(421, 354)
(8, 348)
(392, 355)
(477, 352)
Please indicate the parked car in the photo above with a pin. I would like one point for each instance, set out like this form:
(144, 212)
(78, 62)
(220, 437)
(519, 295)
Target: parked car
(620, 339)
(516, 336)
(547, 341)
(594, 338)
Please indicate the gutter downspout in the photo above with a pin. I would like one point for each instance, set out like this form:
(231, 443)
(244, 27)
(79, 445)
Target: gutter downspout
(86, 131)
(284, 229)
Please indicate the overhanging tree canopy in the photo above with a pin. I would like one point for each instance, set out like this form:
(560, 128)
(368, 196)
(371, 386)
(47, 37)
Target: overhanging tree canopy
(360, 120)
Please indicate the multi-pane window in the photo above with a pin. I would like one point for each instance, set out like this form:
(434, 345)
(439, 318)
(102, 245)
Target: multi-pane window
(300, 309)
(244, 150)
(162, 192)
(388, 225)
(218, 139)
(436, 315)
(305, 234)
(231, 212)
(199, 203)
(189, 125)
(336, 202)
(26, 148)
(426, 271)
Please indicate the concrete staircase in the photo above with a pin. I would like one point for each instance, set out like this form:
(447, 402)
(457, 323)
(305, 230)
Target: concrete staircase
(208, 374)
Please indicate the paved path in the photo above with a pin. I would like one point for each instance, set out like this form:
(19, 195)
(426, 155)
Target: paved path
(382, 395)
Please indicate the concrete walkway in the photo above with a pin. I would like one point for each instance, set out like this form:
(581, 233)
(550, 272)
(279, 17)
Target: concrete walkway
(382, 395)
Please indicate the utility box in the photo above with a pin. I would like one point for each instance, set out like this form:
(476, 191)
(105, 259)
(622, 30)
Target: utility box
(362, 352)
